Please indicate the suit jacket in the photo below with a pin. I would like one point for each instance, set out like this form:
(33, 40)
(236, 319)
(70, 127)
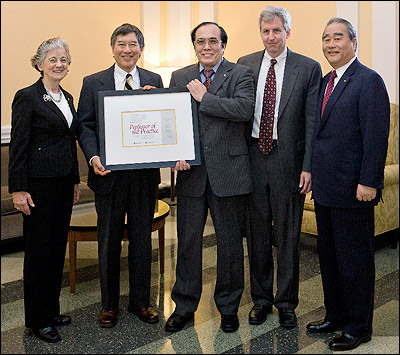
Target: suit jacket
(301, 82)
(42, 144)
(221, 118)
(351, 138)
(88, 113)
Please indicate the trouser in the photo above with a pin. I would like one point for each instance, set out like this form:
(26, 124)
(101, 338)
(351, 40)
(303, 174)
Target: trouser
(275, 219)
(45, 242)
(227, 215)
(133, 194)
(346, 255)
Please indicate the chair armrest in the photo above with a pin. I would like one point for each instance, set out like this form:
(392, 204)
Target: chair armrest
(308, 203)
(391, 174)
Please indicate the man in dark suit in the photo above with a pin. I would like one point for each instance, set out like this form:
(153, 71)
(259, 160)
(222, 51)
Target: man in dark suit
(348, 161)
(222, 101)
(119, 192)
(281, 169)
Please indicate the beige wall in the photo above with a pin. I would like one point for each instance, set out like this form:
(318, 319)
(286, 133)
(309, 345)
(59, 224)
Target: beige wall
(308, 21)
(87, 26)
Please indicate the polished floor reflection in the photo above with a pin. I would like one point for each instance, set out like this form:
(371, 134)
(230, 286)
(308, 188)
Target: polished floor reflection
(203, 335)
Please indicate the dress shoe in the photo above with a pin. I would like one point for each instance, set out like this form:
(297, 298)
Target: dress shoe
(49, 334)
(347, 342)
(61, 320)
(177, 322)
(323, 326)
(287, 318)
(258, 313)
(229, 323)
(145, 314)
(108, 319)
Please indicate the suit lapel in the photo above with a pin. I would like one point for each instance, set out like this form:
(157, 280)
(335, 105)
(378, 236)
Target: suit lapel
(336, 93)
(146, 79)
(73, 111)
(192, 73)
(108, 82)
(289, 80)
(221, 75)
(256, 65)
(48, 102)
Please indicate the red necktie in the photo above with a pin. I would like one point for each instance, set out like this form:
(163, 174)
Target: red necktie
(268, 111)
(329, 89)
(208, 74)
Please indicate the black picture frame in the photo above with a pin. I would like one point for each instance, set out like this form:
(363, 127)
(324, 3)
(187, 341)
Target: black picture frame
(143, 164)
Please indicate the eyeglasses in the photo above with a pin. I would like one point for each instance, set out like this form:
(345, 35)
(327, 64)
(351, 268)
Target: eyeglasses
(54, 60)
(211, 41)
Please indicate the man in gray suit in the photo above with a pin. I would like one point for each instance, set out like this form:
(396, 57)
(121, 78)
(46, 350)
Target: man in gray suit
(281, 168)
(130, 192)
(221, 183)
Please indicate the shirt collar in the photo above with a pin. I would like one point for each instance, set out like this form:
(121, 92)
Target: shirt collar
(279, 59)
(340, 71)
(120, 74)
(215, 68)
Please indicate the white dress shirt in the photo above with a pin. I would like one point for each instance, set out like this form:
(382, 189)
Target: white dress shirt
(279, 72)
(340, 71)
(63, 106)
(120, 78)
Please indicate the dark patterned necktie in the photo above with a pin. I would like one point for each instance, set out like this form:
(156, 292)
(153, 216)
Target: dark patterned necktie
(329, 89)
(268, 111)
(208, 74)
(128, 82)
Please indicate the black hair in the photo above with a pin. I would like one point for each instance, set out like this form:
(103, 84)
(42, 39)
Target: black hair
(224, 36)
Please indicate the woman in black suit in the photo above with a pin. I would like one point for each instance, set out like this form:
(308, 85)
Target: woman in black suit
(43, 180)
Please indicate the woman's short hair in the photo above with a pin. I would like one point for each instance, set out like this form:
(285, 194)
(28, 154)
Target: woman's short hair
(50, 44)
(123, 30)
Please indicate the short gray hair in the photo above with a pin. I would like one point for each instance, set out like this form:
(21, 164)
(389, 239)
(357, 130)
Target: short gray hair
(351, 31)
(271, 12)
(50, 44)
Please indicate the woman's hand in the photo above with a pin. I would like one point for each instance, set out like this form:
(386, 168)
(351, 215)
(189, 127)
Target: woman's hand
(22, 200)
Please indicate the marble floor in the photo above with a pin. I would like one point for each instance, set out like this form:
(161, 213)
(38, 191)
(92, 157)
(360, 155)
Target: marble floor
(203, 335)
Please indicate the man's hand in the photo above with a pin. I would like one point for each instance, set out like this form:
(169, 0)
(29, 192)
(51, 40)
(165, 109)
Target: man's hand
(147, 87)
(305, 182)
(365, 193)
(181, 165)
(196, 89)
(98, 167)
(77, 193)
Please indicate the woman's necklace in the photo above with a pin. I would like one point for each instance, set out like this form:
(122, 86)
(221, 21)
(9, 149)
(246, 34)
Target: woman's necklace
(53, 98)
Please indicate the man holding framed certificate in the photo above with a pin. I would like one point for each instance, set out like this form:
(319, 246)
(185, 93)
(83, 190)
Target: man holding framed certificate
(118, 192)
(222, 104)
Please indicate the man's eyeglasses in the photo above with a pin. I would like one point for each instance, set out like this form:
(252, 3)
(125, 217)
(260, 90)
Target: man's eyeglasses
(211, 41)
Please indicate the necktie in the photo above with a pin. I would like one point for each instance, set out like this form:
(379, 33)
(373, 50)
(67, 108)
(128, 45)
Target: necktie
(128, 82)
(268, 111)
(208, 74)
(329, 89)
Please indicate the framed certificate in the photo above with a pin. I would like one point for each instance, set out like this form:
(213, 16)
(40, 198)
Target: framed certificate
(147, 129)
